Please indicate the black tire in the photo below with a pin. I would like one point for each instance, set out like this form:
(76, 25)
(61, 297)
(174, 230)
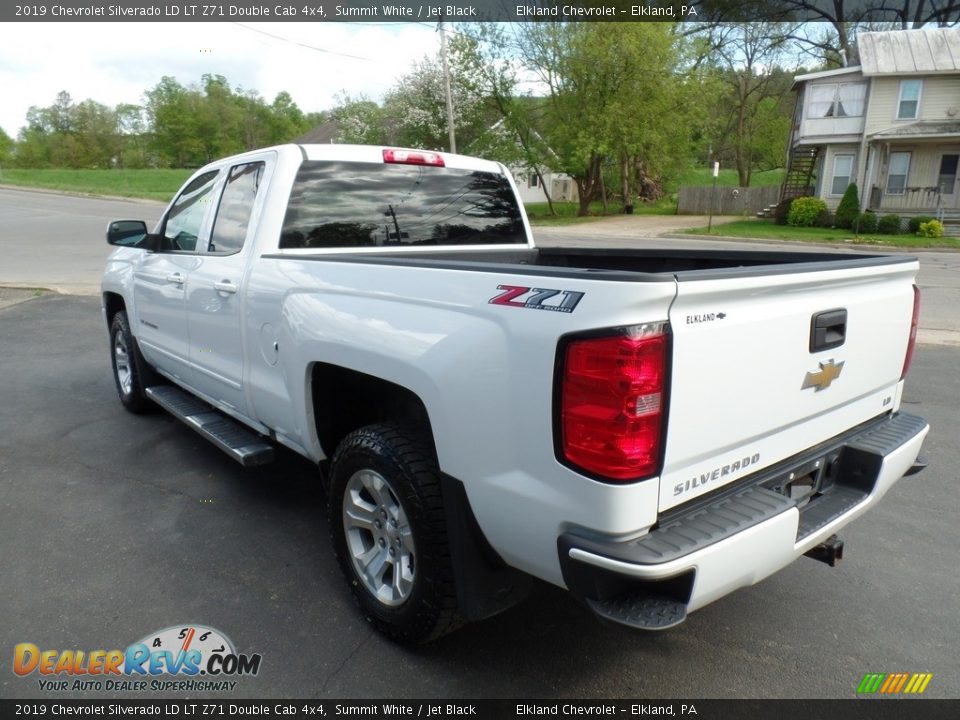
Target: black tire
(131, 373)
(405, 460)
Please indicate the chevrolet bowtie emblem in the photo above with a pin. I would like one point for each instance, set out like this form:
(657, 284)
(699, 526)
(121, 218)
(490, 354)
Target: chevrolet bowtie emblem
(821, 379)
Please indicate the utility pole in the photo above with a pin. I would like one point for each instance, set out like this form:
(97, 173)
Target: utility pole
(446, 86)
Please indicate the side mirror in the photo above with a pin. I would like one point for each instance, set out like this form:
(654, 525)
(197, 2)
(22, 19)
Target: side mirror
(130, 233)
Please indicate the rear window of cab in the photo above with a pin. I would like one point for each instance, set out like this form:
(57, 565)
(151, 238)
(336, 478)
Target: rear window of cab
(349, 204)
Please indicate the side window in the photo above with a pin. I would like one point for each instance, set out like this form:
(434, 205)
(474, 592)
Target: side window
(182, 226)
(236, 206)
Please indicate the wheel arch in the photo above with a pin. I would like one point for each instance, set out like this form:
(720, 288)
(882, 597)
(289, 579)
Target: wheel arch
(343, 400)
(112, 304)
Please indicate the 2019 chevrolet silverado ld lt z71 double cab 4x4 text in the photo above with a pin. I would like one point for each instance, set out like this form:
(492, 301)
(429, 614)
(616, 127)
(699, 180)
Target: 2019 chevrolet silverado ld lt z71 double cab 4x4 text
(650, 430)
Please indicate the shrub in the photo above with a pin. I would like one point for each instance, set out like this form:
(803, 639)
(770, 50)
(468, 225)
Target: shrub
(804, 211)
(826, 219)
(914, 223)
(931, 229)
(849, 207)
(867, 223)
(889, 225)
(781, 211)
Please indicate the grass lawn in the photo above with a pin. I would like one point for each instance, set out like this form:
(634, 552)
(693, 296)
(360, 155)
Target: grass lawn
(539, 213)
(704, 176)
(149, 184)
(767, 229)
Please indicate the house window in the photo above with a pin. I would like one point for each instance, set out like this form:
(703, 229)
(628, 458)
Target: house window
(897, 174)
(842, 170)
(909, 102)
(533, 180)
(837, 100)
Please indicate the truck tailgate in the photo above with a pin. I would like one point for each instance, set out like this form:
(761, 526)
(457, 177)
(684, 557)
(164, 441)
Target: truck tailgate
(750, 384)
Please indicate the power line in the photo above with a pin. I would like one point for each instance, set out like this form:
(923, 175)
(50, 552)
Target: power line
(303, 45)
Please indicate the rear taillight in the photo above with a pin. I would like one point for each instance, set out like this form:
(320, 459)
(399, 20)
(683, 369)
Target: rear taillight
(413, 157)
(913, 332)
(612, 402)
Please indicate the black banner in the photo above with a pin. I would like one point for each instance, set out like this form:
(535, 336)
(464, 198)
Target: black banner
(944, 11)
(919, 709)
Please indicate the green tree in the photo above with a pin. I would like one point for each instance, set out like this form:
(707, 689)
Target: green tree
(285, 121)
(171, 112)
(65, 134)
(360, 120)
(6, 147)
(613, 92)
(849, 208)
(749, 55)
(133, 140)
(416, 107)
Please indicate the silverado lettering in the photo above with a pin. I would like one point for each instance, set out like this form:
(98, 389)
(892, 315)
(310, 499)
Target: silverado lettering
(717, 473)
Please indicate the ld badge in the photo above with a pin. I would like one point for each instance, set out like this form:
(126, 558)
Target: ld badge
(821, 379)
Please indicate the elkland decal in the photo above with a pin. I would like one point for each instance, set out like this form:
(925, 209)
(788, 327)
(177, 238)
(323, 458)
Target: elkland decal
(169, 660)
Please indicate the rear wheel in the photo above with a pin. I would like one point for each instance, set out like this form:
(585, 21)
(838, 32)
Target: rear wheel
(389, 532)
(131, 373)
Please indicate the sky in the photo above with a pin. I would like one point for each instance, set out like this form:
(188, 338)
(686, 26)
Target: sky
(116, 62)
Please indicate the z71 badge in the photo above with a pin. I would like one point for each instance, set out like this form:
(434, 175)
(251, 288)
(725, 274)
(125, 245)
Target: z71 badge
(537, 298)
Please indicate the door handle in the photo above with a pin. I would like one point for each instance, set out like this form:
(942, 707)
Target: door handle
(828, 330)
(225, 286)
(175, 278)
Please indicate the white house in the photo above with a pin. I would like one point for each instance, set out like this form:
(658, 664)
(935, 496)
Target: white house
(561, 186)
(890, 124)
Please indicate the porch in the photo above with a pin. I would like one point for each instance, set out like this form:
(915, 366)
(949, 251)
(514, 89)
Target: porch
(914, 170)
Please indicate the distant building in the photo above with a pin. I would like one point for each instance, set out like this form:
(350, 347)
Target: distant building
(890, 124)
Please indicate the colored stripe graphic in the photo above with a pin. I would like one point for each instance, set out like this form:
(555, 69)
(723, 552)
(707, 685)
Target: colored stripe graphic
(894, 683)
(870, 683)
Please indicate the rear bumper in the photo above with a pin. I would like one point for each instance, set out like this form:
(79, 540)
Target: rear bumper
(740, 536)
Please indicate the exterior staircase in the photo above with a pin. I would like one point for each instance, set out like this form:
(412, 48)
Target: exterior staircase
(797, 182)
(803, 161)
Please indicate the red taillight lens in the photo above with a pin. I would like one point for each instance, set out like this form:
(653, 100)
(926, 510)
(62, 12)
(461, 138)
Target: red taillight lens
(914, 323)
(612, 402)
(413, 157)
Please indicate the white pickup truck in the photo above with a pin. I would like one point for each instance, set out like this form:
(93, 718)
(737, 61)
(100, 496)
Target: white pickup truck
(650, 430)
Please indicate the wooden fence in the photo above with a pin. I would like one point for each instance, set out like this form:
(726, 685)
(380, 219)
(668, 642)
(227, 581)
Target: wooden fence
(725, 200)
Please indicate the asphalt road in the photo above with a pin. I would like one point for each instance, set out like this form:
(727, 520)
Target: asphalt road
(116, 525)
(57, 241)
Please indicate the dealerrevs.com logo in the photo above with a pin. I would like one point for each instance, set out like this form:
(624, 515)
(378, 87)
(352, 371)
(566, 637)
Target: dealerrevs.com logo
(186, 658)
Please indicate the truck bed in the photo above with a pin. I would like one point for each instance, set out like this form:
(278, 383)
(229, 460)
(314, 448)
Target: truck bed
(636, 265)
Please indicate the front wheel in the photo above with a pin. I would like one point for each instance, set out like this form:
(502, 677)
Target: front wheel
(389, 532)
(130, 370)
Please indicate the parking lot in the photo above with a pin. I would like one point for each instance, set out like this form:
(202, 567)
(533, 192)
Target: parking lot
(115, 526)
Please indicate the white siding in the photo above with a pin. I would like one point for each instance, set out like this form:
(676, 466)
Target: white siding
(562, 187)
(939, 95)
